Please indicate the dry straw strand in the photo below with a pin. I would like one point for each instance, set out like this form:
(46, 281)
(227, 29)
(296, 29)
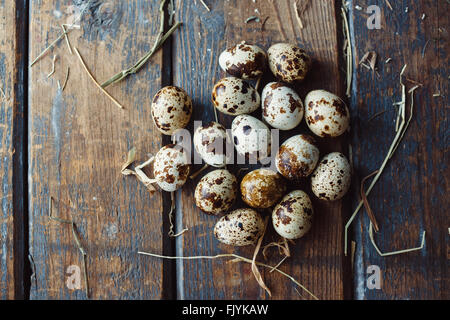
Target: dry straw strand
(160, 39)
(95, 81)
(70, 27)
(236, 258)
(402, 127)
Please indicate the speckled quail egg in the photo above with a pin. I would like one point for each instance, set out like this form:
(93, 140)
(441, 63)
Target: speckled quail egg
(292, 217)
(215, 193)
(288, 62)
(243, 61)
(241, 227)
(171, 109)
(326, 114)
(209, 142)
(171, 167)
(234, 96)
(297, 157)
(282, 107)
(262, 188)
(331, 179)
(251, 137)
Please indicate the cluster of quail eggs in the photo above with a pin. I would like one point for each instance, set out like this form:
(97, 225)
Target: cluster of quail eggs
(297, 158)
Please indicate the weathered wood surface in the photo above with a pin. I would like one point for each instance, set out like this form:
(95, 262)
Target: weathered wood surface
(411, 195)
(12, 253)
(78, 142)
(316, 259)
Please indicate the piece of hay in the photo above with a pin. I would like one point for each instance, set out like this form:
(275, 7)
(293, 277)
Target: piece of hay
(236, 258)
(401, 128)
(95, 81)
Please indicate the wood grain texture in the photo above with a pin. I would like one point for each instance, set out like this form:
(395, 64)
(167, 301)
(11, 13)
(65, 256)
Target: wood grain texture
(317, 258)
(12, 250)
(411, 196)
(78, 142)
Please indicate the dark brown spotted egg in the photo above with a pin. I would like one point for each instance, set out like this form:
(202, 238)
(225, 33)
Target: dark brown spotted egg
(234, 96)
(262, 188)
(243, 61)
(241, 227)
(215, 193)
(292, 217)
(331, 179)
(288, 62)
(297, 157)
(171, 109)
(171, 168)
(251, 137)
(210, 143)
(326, 114)
(281, 105)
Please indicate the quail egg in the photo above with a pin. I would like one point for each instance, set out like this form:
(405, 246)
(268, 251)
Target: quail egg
(243, 61)
(288, 62)
(331, 179)
(241, 227)
(171, 109)
(281, 105)
(210, 143)
(251, 137)
(171, 167)
(297, 157)
(326, 114)
(234, 96)
(215, 193)
(292, 217)
(262, 188)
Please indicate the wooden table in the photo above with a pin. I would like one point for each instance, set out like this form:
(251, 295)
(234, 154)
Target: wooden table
(70, 145)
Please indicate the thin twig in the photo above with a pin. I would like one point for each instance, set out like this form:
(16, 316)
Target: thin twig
(204, 4)
(53, 66)
(349, 54)
(389, 5)
(403, 126)
(67, 78)
(230, 255)
(77, 241)
(385, 254)
(255, 270)
(366, 202)
(95, 81)
(160, 39)
(67, 38)
(70, 27)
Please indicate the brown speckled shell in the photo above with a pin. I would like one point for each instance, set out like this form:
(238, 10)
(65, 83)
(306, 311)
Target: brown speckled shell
(251, 137)
(297, 157)
(288, 62)
(281, 105)
(331, 179)
(171, 168)
(292, 217)
(171, 109)
(210, 143)
(326, 114)
(215, 193)
(262, 188)
(243, 61)
(241, 227)
(234, 96)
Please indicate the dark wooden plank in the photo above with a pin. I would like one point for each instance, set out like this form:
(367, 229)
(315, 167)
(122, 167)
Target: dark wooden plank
(12, 120)
(316, 259)
(411, 195)
(78, 142)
